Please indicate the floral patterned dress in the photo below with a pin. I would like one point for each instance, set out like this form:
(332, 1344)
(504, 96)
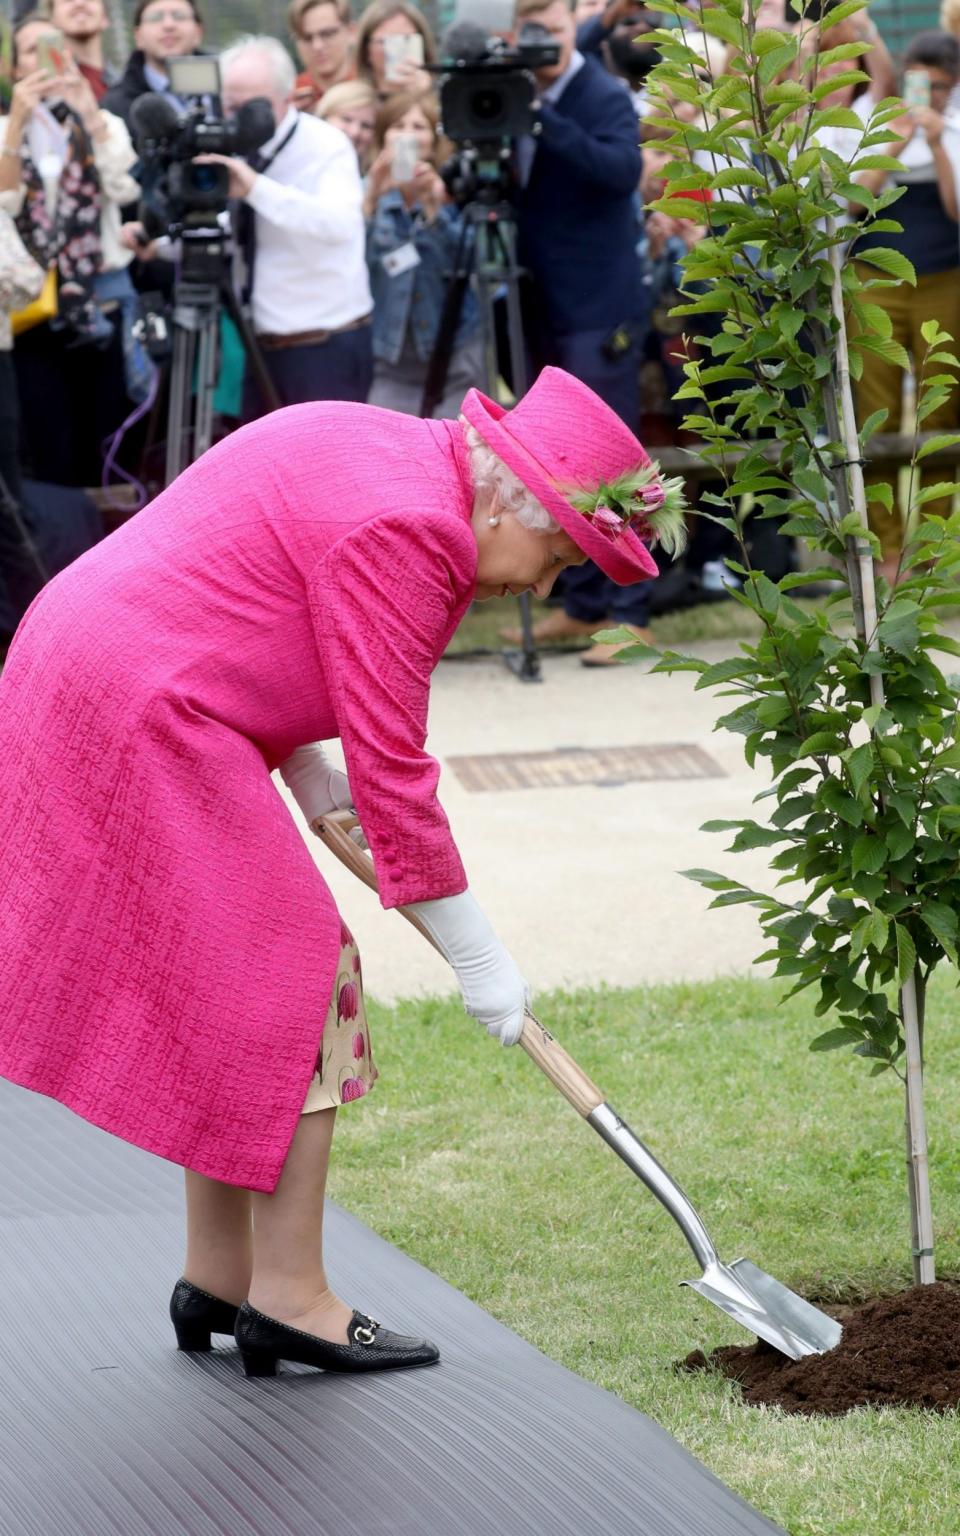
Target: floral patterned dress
(345, 1068)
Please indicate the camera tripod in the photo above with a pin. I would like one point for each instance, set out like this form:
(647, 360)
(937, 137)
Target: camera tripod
(203, 289)
(487, 250)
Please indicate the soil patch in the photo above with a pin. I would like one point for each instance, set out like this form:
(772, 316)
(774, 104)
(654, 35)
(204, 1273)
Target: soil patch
(900, 1350)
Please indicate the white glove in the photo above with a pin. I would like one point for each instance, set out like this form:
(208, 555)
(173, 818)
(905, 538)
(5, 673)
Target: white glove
(492, 988)
(315, 784)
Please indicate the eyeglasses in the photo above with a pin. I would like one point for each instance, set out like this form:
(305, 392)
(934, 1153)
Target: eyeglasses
(322, 35)
(177, 13)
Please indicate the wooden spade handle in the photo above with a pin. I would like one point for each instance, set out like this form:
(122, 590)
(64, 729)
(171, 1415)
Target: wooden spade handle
(539, 1044)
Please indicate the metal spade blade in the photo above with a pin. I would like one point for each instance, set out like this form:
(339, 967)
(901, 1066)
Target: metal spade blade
(761, 1304)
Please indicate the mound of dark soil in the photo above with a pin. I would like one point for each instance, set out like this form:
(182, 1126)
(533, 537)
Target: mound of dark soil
(900, 1350)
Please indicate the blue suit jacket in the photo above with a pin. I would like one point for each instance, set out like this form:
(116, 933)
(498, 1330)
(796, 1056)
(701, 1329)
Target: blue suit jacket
(577, 215)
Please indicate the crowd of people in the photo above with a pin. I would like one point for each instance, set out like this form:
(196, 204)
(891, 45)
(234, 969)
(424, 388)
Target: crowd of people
(345, 235)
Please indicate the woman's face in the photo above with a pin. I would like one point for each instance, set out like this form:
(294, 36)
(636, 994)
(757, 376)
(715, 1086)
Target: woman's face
(358, 123)
(28, 37)
(395, 26)
(512, 559)
(414, 121)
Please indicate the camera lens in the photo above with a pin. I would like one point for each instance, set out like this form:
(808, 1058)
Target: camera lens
(486, 105)
(205, 178)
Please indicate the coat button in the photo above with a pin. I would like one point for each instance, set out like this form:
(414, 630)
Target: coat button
(389, 858)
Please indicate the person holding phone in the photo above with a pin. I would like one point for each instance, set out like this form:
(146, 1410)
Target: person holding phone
(65, 172)
(394, 41)
(413, 235)
(926, 141)
(83, 24)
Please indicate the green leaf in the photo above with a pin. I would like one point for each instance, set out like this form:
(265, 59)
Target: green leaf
(751, 835)
(834, 14)
(834, 1039)
(906, 953)
(860, 765)
(869, 854)
(725, 671)
(942, 923)
(878, 323)
(819, 743)
(709, 878)
(900, 632)
(882, 256)
(842, 804)
(877, 929)
(942, 440)
(838, 117)
(882, 346)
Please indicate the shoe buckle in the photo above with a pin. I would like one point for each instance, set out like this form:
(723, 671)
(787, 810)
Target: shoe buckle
(366, 1335)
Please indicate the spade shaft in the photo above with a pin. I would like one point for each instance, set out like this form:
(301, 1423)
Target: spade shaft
(755, 1299)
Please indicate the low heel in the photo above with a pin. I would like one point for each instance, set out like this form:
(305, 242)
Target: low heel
(193, 1336)
(257, 1364)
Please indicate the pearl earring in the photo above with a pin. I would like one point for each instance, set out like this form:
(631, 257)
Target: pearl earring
(494, 521)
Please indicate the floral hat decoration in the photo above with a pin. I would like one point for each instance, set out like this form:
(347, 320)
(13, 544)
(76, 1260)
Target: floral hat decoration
(584, 465)
(644, 500)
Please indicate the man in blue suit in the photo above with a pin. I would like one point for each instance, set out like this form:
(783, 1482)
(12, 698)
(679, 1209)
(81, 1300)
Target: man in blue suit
(577, 239)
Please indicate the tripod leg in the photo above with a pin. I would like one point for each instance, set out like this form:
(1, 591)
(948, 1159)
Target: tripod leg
(207, 353)
(181, 383)
(527, 665)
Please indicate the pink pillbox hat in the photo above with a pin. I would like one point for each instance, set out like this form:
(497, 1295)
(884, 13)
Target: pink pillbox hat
(561, 436)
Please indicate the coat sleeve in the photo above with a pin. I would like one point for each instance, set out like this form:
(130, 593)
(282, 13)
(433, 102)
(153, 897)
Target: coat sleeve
(606, 156)
(115, 157)
(384, 602)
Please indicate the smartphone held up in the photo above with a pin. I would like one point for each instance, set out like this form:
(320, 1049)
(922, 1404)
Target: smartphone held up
(406, 154)
(51, 52)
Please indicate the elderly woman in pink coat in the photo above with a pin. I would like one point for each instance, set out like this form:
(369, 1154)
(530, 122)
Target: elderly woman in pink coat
(172, 966)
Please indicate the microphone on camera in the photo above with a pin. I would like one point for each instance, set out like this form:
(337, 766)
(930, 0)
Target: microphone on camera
(153, 117)
(464, 41)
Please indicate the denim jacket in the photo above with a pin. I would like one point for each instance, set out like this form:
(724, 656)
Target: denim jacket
(414, 297)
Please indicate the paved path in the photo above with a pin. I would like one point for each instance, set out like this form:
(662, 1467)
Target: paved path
(580, 882)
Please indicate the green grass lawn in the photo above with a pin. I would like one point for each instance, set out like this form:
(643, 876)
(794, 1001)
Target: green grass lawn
(727, 620)
(468, 1159)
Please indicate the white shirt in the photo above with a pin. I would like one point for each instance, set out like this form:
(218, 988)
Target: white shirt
(310, 272)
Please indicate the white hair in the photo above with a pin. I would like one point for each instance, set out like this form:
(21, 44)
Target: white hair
(271, 51)
(492, 476)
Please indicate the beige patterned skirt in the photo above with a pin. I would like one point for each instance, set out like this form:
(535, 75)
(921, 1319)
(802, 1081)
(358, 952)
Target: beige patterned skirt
(345, 1068)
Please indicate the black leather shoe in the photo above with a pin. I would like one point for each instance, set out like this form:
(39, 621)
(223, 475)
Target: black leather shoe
(196, 1314)
(263, 1341)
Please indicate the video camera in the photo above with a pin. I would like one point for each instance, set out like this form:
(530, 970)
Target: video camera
(487, 88)
(179, 195)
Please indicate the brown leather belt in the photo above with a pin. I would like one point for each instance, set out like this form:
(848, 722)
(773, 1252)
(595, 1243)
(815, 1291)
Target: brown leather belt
(311, 338)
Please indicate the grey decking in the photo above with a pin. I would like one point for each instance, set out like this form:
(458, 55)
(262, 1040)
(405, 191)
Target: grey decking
(106, 1430)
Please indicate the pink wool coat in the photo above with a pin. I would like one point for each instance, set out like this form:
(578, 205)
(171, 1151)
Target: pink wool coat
(167, 945)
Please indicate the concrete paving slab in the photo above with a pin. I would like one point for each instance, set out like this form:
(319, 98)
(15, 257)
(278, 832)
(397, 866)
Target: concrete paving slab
(581, 882)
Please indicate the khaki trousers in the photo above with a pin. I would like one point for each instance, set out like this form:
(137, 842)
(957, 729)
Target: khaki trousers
(936, 297)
